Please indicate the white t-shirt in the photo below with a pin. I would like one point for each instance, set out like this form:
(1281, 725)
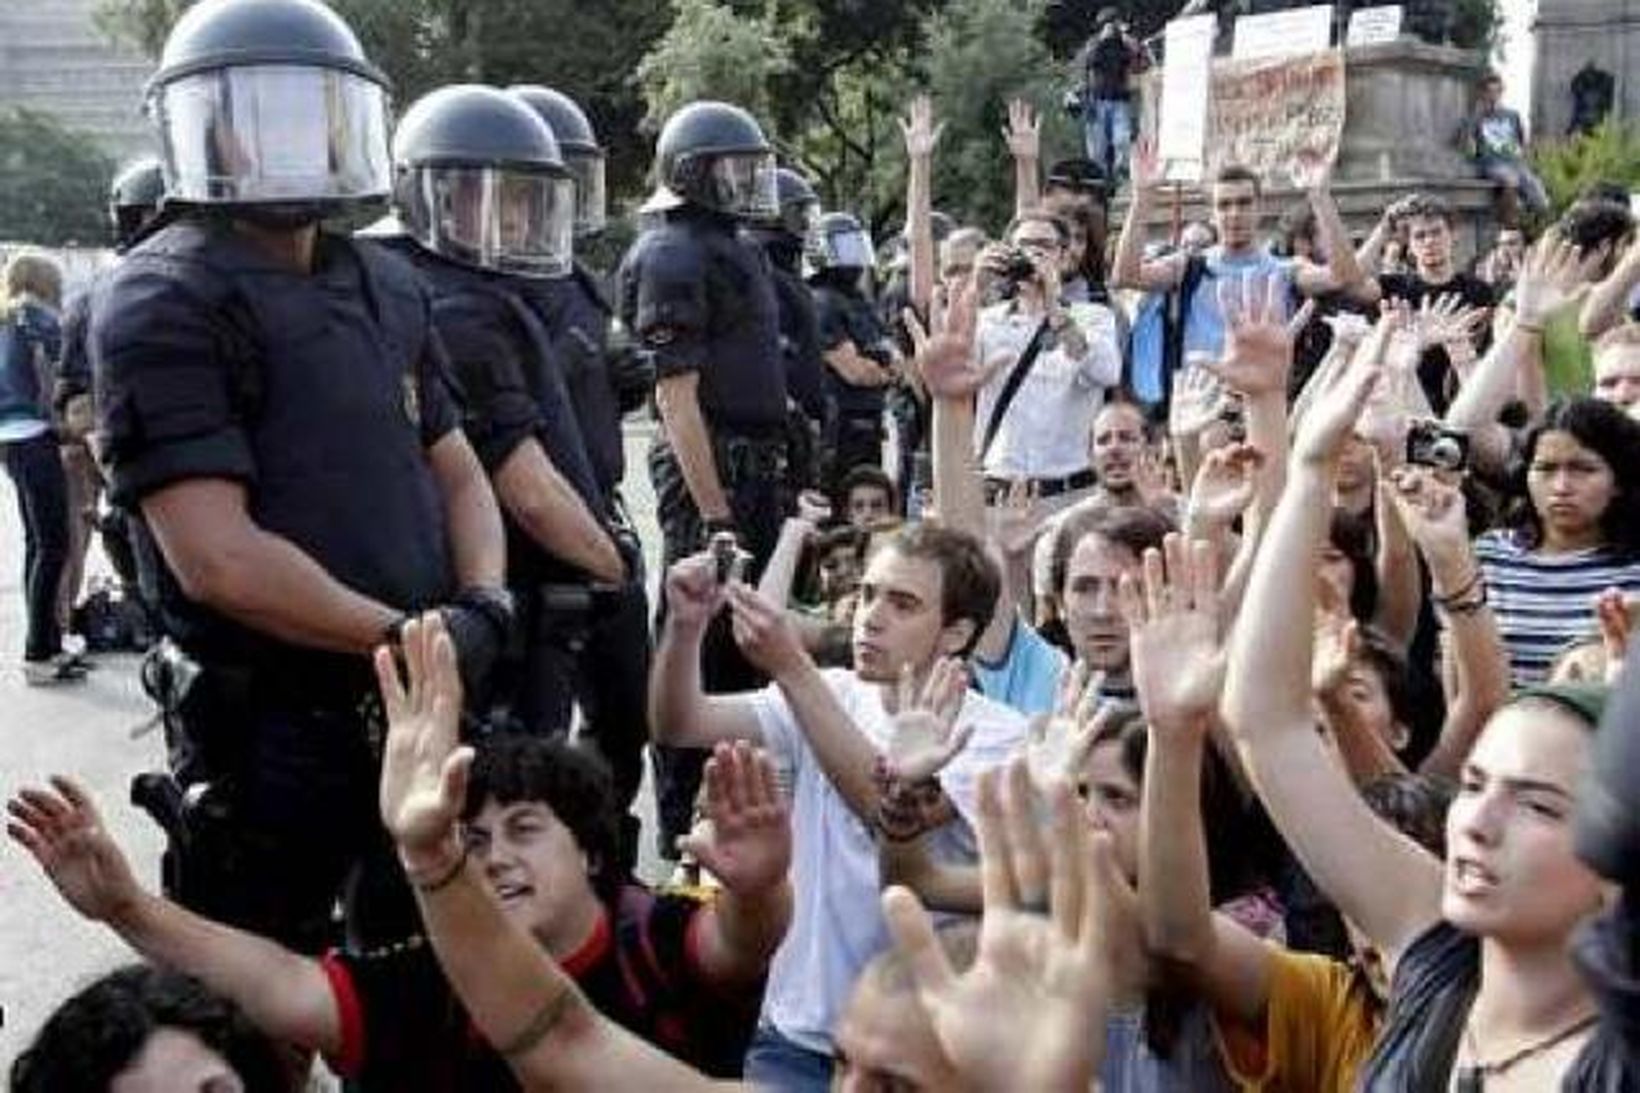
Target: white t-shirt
(837, 921)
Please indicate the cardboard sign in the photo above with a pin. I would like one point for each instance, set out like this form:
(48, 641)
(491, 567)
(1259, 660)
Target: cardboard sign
(1274, 114)
(1283, 33)
(1181, 137)
(1374, 26)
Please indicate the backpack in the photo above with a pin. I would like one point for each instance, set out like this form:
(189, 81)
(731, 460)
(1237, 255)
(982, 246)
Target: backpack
(1156, 344)
(111, 622)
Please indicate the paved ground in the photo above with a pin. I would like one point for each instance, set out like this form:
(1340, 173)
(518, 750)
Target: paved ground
(46, 952)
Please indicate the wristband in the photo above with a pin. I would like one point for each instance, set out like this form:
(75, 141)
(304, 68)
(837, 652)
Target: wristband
(444, 879)
(545, 1019)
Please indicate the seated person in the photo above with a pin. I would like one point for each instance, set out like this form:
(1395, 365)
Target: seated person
(141, 1028)
(540, 820)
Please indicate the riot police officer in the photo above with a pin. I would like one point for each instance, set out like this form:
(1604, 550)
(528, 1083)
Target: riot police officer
(782, 238)
(487, 206)
(274, 405)
(607, 379)
(861, 358)
(133, 211)
(700, 300)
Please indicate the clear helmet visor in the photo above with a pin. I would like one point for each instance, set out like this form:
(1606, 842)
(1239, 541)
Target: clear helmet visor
(851, 248)
(587, 168)
(743, 185)
(798, 218)
(260, 134)
(515, 222)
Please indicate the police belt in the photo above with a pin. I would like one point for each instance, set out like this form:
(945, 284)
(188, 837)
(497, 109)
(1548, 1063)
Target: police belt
(574, 598)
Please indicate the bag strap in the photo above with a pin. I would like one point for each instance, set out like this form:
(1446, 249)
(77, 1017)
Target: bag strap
(1176, 315)
(1022, 368)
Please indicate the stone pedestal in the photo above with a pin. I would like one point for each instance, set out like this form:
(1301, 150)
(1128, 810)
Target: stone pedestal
(1405, 105)
(1571, 34)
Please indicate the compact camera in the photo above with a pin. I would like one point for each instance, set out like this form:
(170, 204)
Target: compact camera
(1431, 444)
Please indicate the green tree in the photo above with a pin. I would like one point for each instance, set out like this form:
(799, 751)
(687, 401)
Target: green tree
(1611, 153)
(981, 53)
(53, 182)
(713, 52)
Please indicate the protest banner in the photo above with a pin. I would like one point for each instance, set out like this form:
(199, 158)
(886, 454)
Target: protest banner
(1181, 137)
(1283, 33)
(1270, 114)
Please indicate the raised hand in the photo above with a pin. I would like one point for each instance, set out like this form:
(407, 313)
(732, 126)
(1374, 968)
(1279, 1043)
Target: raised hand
(1258, 344)
(424, 771)
(1016, 519)
(943, 352)
(1337, 406)
(813, 508)
(1433, 512)
(693, 594)
(1058, 743)
(745, 838)
(1615, 614)
(1337, 644)
(1198, 396)
(1446, 320)
(1310, 170)
(1146, 165)
(1024, 131)
(926, 736)
(1173, 622)
(765, 633)
(1030, 1012)
(918, 128)
(1555, 276)
(1225, 484)
(62, 830)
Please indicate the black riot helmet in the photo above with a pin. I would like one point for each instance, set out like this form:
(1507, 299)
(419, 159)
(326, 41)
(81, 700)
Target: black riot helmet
(838, 241)
(714, 155)
(582, 153)
(269, 107)
(479, 180)
(134, 198)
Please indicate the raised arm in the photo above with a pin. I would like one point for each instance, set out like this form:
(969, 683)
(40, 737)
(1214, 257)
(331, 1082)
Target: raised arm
(1024, 138)
(1381, 881)
(286, 995)
(1342, 273)
(1608, 302)
(1178, 669)
(1129, 268)
(921, 137)
(780, 571)
(516, 994)
(1434, 513)
(681, 713)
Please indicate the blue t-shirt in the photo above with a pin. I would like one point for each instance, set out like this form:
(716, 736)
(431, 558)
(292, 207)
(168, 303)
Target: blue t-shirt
(1204, 322)
(1027, 677)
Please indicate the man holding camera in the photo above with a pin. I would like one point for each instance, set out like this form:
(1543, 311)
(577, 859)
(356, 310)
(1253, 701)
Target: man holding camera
(1048, 365)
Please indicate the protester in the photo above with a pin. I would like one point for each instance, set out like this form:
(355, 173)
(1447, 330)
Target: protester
(29, 337)
(1496, 137)
(1109, 61)
(1617, 367)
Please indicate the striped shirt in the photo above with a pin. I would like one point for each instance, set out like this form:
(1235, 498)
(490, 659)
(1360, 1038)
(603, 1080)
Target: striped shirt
(1545, 602)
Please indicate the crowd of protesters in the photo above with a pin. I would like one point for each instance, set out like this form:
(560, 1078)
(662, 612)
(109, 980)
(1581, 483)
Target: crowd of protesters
(1214, 678)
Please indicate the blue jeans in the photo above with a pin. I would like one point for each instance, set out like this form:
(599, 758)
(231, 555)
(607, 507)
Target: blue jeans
(1107, 130)
(776, 1063)
(1515, 175)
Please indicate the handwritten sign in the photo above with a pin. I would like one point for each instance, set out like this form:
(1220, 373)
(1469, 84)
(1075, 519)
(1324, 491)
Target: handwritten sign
(1374, 26)
(1181, 137)
(1273, 114)
(1283, 33)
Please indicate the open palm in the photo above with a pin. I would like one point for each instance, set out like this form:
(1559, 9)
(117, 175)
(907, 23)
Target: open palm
(424, 772)
(1173, 619)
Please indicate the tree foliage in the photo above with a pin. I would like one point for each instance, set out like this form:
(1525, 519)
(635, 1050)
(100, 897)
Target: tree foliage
(1610, 153)
(712, 51)
(53, 182)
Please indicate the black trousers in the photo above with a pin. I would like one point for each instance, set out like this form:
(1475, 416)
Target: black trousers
(36, 471)
(758, 497)
(289, 824)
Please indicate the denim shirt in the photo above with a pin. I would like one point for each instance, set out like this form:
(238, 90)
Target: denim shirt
(30, 340)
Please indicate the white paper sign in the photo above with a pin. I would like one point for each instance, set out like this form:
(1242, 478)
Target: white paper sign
(1283, 33)
(1181, 136)
(1373, 26)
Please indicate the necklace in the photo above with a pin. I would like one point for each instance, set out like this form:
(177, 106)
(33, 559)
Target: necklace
(1472, 1078)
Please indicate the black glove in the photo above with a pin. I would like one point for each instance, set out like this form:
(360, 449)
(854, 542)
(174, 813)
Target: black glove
(479, 621)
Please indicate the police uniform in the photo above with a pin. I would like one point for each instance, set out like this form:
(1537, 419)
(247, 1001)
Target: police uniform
(854, 431)
(613, 634)
(320, 394)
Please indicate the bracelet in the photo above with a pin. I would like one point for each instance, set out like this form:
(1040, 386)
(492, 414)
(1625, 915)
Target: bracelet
(542, 1024)
(444, 879)
(1538, 330)
(1472, 607)
(1475, 580)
